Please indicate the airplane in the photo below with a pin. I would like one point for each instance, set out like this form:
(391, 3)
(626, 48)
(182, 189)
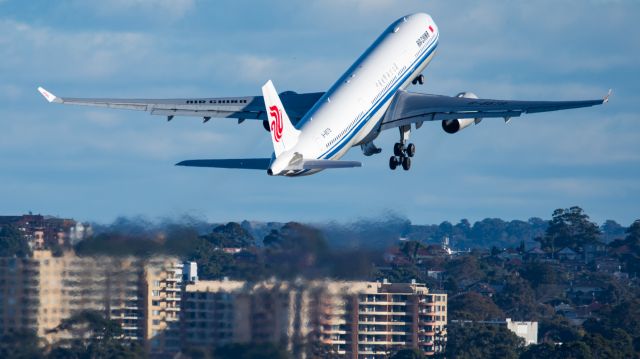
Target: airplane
(312, 131)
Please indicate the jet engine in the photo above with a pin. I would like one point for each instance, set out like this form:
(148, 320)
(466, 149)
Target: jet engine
(455, 125)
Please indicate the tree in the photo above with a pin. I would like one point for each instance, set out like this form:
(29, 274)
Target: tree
(465, 268)
(21, 344)
(94, 336)
(13, 243)
(490, 231)
(572, 350)
(407, 354)
(625, 316)
(231, 234)
(569, 228)
(630, 256)
(633, 232)
(473, 306)
(557, 330)
(517, 300)
(611, 230)
(539, 273)
(212, 262)
(482, 341)
(410, 249)
(251, 351)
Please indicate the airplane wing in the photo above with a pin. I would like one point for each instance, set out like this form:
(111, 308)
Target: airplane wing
(409, 108)
(242, 108)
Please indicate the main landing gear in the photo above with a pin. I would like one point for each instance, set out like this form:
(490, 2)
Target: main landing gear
(402, 153)
(418, 80)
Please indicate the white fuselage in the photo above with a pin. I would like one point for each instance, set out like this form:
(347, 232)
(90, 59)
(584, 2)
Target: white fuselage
(352, 109)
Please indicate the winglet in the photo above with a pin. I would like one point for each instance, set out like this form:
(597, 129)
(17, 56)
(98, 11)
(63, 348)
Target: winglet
(49, 96)
(606, 98)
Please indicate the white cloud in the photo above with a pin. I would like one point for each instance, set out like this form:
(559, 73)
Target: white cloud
(167, 9)
(45, 51)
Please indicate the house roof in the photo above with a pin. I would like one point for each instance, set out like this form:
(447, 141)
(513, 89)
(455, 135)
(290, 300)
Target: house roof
(566, 251)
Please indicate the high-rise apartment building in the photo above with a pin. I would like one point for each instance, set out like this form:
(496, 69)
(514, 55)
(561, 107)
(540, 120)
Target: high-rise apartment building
(223, 312)
(142, 295)
(348, 319)
(160, 302)
(373, 319)
(162, 295)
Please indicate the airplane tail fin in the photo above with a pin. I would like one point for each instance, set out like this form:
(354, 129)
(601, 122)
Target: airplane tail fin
(283, 134)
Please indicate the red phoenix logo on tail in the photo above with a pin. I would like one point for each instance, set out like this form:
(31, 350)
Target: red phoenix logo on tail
(276, 123)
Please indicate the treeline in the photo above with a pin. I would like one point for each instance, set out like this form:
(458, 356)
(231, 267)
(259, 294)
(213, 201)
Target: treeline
(231, 251)
(495, 232)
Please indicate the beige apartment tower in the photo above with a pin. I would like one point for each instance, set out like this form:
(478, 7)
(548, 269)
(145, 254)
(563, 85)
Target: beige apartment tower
(344, 319)
(141, 294)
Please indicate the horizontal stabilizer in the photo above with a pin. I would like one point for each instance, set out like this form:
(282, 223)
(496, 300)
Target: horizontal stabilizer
(327, 164)
(244, 163)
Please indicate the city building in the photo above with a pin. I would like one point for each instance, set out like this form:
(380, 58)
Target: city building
(223, 312)
(142, 295)
(42, 231)
(162, 297)
(160, 302)
(372, 319)
(347, 319)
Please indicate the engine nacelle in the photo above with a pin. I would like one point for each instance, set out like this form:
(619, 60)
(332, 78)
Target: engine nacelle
(455, 125)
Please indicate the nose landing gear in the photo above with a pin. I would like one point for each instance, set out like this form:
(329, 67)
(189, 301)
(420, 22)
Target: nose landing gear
(402, 154)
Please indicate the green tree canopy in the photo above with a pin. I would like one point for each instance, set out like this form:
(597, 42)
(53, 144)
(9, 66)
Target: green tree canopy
(94, 336)
(251, 351)
(231, 234)
(569, 228)
(482, 341)
(21, 344)
(13, 243)
(407, 354)
(473, 306)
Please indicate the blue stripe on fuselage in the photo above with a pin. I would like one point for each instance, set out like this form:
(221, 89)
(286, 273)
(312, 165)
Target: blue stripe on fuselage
(376, 106)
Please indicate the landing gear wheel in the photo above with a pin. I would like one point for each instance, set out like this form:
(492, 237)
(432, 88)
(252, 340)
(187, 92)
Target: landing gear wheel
(398, 149)
(406, 163)
(418, 80)
(393, 163)
(411, 150)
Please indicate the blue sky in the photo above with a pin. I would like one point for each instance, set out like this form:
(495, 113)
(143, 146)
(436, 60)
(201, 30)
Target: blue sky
(94, 164)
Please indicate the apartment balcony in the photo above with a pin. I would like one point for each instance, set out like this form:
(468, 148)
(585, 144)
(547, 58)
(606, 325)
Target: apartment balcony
(332, 341)
(377, 302)
(387, 343)
(384, 323)
(381, 313)
(383, 353)
(172, 298)
(381, 332)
